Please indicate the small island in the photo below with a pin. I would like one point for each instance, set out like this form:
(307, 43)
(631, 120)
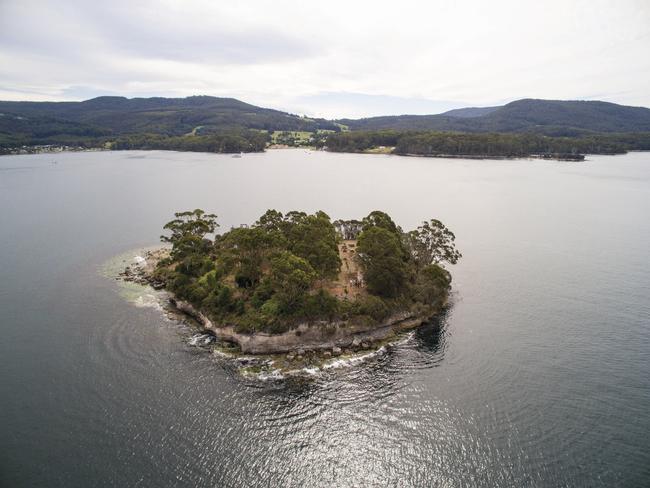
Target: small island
(299, 283)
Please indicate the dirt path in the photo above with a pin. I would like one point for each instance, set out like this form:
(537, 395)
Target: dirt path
(349, 282)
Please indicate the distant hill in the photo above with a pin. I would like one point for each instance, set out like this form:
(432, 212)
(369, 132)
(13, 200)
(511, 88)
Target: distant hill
(551, 117)
(470, 112)
(43, 126)
(146, 122)
(168, 116)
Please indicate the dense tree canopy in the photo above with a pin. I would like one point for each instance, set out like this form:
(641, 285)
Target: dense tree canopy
(291, 277)
(314, 238)
(430, 143)
(285, 268)
(384, 267)
(377, 218)
(231, 141)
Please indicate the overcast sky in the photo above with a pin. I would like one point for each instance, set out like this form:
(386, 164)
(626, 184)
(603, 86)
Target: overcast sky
(329, 58)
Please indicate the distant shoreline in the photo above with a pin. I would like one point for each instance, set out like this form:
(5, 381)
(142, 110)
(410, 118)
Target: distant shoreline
(49, 149)
(576, 158)
(551, 157)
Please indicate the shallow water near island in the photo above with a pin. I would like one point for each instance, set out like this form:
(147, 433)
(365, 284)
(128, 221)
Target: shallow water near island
(537, 375)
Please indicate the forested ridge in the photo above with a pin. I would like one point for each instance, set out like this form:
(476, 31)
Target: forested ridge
(548, 117)
(140, 123)
(202, 123)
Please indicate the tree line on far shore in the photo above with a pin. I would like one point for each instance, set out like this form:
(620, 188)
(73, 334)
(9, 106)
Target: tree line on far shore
(230, 141)
(227, 142)
(480, 144)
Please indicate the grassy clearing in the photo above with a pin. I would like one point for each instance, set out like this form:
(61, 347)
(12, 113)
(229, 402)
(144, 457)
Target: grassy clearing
(380, 150)
(283, 137)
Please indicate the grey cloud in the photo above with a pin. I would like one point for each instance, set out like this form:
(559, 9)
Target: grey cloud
(276, 53)
(144, 33)
(77, 30)
(219, 46)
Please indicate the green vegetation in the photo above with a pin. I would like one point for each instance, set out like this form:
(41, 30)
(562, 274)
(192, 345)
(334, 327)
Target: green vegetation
(524, 127)
(484, 145)
(16, 131)
(361, 141)
(232, 141)
(148, 123)
(291, 138)
(301, 138)
(548, 117)
(287, 269)
(166, 116)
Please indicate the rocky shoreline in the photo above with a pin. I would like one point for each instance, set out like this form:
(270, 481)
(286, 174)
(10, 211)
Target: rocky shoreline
(327, 339)
(141, 271)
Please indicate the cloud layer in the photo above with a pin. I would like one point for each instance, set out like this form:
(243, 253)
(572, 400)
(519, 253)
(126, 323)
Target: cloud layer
(330, 58)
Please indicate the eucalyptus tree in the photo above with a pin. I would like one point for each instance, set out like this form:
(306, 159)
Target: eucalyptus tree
(432, 243)
(188, 232)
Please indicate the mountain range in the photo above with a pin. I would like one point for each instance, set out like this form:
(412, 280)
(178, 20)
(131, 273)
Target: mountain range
(43, 122)
(168, 116)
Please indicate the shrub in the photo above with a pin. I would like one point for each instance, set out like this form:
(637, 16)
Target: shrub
(373, 307)
(321, 305)
(432, 285)
(271, 308)
(382, 259)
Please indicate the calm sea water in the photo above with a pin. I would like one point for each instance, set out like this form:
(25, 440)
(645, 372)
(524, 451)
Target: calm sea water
(538, 374)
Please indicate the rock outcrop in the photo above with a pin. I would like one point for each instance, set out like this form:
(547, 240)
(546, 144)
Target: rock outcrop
(332, 336)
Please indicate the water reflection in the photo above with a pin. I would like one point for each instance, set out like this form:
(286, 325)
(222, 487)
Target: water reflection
(433, 336)
(363, 425)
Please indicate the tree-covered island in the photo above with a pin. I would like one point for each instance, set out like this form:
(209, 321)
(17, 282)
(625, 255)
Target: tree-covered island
(299, 281)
